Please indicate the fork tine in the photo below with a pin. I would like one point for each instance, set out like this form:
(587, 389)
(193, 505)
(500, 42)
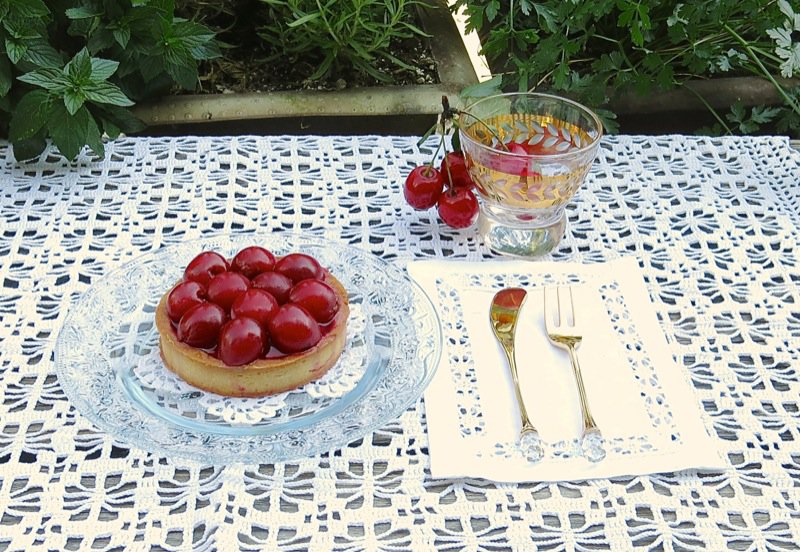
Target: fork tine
(562, 313)
(558, 304)
(571, 307)
(549, 321)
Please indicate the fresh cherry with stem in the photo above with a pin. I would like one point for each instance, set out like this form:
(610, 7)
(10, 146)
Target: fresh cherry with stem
(450, 187)
(458, 207)
(423, 187)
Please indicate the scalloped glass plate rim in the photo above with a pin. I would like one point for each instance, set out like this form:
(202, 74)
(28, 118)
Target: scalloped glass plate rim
(86, 403)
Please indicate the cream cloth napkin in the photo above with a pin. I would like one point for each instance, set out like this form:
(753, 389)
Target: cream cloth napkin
(641, 400)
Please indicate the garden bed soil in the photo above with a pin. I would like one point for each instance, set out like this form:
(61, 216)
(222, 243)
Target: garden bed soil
(243, 95)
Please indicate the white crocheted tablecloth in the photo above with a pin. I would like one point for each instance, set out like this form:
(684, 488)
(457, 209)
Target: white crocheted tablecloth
(714, 224)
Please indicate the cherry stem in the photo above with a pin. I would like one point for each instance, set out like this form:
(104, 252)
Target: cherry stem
(444, 130)
(452, 113)
(487, 126)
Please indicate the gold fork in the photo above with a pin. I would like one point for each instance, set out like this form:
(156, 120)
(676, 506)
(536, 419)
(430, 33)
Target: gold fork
(564, 331)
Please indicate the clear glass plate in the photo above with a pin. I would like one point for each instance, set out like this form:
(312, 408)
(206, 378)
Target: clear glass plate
(110, 335)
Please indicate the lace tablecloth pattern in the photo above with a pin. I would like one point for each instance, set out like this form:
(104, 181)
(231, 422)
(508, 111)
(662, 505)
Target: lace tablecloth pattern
(713, 224)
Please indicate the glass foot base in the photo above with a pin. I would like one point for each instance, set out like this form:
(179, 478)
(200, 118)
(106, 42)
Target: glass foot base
(519, 239)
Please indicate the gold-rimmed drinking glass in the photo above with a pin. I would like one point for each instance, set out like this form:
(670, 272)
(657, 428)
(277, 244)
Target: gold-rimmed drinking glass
(528, 154)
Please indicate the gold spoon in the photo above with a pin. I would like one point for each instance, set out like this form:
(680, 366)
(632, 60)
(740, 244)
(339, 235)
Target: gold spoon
(503, 314)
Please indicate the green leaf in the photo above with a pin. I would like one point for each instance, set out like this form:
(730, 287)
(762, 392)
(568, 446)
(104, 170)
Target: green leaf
(188, 34)
(609, 120)
(303, 20)
(106, 93)
(120, 118)
(82, 12)
(15, 50)
(737, 113)
(456, 141)
(763, 114)
(483, 89)
(548, 16)
(323, 68)
(111, 130)
(209, 50)
(103, 68)
(30, 115)
(122, 35)
(100, 40)
(6, 78)
(74, 100)
(41, 54)
(79, 68)
(491, 10)
(93, 137)
(30, 148)
(185, 76)
(32, 9)
(150, 67)
(69, 132)
(49, 79)
(23, 29)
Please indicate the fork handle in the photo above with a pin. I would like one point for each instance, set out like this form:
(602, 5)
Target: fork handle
(588, 420)
(523, 413)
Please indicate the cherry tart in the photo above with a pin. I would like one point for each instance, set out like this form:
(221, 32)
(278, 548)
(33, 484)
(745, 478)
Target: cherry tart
(252, 325)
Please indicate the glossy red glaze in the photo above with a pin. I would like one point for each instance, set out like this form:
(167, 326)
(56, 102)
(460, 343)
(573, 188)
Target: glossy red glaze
(255, 303)
(184, 296)
(199, 327)
(252, 261)
(225, 287)
(317, 297)
(241, 341)
(298, 267)
(205, 266)
(275, 283)
(293, 329)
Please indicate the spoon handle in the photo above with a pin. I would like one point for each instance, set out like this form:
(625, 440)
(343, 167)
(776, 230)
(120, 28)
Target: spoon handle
(508, 347)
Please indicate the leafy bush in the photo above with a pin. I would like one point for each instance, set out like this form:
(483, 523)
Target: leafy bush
(330, 34)
(593, 49)
(69, 69)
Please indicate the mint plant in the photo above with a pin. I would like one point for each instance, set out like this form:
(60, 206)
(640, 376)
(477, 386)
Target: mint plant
(70, 74)
(593, 49)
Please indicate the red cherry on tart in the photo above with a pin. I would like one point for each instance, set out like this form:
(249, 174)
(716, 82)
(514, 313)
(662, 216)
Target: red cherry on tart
(224, 288)
(293, 329)
(299, 266)
(205, 266)
(241, 341)
(276, 284)
(317, 297)
(199, 326)
(252, 261)
(423, 186)
(183, 297)
(255, 303)
(236, 338)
